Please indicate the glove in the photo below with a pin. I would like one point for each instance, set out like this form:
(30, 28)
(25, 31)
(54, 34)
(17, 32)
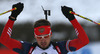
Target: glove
(65, 11)
(16, 12)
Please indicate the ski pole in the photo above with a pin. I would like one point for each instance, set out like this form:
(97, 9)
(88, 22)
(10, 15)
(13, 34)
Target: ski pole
(8, 11)
(84, 17)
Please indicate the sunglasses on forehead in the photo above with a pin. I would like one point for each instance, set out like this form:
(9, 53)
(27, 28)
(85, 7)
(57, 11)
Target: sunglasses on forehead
(43, 36)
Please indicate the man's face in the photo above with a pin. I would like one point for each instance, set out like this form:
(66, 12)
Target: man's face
(43, 36)
(43, 41)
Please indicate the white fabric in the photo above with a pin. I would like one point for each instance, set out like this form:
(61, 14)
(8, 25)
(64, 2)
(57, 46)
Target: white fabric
(50, 50)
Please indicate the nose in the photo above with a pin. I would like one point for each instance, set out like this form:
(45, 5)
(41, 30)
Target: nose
(43, 39)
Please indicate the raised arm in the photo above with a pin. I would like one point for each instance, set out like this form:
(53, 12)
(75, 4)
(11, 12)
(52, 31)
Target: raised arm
(6, 33)
(82, 39)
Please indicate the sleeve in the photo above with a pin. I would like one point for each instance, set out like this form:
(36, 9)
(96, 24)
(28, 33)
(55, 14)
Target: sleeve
(82, 39)
(6, 34)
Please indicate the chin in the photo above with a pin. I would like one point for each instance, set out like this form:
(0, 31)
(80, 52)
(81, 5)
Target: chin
(44, 46)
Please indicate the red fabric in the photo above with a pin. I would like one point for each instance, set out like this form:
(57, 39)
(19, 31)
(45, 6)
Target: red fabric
(82, 39)
(31, 49)
(58, 49)
(47, 30)
(5, 36)
(7, 51)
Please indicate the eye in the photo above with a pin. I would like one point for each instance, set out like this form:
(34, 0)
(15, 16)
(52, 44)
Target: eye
(39, 37)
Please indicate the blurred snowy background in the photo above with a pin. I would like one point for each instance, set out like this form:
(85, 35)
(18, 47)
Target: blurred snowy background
(33, 11)
(23, 29)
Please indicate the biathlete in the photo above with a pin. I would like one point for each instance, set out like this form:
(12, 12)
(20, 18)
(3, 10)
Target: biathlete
(43, 34)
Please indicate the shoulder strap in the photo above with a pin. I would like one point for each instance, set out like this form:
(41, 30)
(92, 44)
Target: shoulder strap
(56, 47)
(32, 48)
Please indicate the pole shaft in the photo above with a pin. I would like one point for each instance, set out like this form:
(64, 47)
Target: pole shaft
(8, 11)
(84, 17)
